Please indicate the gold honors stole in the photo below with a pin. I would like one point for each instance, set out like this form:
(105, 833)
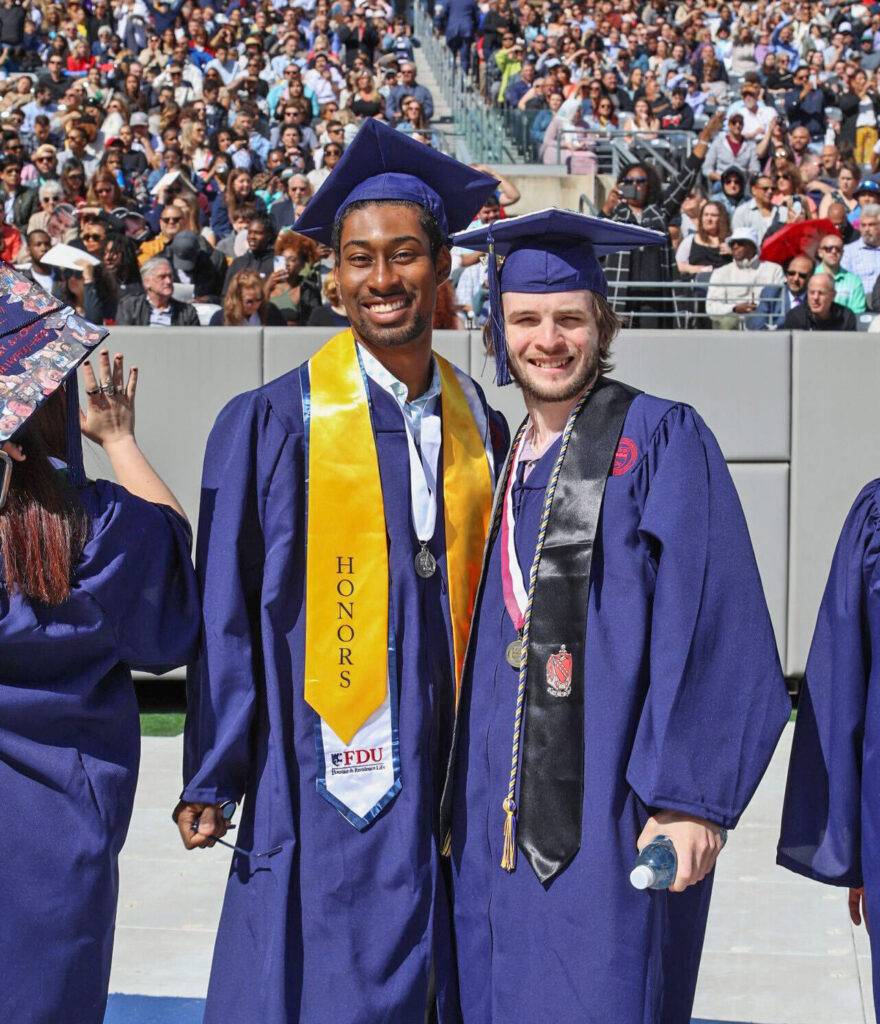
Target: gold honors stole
(347, 576)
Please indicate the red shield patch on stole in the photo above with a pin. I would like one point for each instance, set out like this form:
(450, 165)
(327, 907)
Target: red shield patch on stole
(559, 673)
(625, 457)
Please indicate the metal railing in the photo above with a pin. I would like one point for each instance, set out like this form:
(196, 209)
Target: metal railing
(615, 149)
(682, 304)
(479, 125)
(586, 205)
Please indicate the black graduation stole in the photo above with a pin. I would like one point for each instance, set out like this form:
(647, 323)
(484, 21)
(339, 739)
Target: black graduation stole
(549, 755)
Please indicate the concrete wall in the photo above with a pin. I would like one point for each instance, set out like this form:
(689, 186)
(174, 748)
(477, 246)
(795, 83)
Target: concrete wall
(794, 415)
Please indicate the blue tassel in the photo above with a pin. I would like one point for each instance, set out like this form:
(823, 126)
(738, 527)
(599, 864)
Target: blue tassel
(76, 472)
(496, 319)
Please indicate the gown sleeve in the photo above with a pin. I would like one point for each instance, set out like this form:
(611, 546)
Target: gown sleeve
(716, 700)
(137, 567)
(821, 816)
(222, 683)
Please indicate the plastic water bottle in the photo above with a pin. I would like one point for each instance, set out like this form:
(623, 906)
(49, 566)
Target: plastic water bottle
(657, 863)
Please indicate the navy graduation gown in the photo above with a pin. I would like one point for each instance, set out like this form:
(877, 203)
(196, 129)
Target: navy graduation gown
(685, 701)
(69, 749)
(831, 815)
(340, 925)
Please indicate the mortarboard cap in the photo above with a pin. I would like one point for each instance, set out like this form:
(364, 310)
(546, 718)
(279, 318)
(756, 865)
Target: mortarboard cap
(42, 342)
(549, 251)
(382, 163)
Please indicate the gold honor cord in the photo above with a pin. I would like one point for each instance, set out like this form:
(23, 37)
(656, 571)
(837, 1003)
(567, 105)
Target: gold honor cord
(346, 658)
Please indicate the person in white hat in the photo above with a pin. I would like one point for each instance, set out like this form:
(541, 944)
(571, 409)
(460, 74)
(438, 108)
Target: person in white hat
(735, 289)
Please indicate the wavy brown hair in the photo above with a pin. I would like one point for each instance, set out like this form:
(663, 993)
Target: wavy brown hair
(43, 528)
(233, 309)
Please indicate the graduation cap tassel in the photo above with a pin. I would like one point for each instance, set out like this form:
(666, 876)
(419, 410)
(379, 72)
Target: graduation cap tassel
(75, 471)
(508, 857)
(496, 319)
(446, 848)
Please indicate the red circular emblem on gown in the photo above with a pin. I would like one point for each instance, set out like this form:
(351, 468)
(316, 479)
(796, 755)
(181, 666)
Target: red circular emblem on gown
(624, 457)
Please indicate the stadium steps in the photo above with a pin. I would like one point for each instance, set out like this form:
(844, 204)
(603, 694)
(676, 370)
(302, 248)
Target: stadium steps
(425, 76)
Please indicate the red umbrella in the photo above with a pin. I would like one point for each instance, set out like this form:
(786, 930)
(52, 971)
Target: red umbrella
(794, 239)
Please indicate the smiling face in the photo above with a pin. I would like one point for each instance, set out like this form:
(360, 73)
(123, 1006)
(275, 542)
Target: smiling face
(552, 342)
(387, 276)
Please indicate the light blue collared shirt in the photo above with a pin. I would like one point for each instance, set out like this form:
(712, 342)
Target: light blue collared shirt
(419, 409)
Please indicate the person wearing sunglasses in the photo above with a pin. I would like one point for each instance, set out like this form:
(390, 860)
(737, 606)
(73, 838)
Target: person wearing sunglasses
(848, 288)
(285, 211)
(331, 154)
(758, 213)
(170, 223)
(18, 202)
(730, 149)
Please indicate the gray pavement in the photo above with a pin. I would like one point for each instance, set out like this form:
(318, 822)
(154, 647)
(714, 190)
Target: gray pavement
(779, 949)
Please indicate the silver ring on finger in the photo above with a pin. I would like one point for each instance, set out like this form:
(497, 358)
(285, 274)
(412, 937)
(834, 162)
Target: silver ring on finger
(108, 387)
(93, 392)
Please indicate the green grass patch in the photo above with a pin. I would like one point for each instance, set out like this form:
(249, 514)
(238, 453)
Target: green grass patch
(162, 724)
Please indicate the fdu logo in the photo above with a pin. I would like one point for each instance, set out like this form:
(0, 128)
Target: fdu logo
(354, 758)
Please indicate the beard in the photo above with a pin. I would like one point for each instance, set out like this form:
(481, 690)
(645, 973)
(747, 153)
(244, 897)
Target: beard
(390, 337)
(564, 391)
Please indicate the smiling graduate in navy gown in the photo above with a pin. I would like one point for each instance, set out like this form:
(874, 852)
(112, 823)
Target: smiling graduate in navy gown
(831, 814)
(95, 578)
(622, 681)
(344, 510)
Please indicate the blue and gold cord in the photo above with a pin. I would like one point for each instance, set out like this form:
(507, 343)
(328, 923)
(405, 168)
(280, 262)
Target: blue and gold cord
(508, 859)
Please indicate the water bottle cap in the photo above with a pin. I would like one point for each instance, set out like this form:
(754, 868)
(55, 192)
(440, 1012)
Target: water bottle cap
(642, 876)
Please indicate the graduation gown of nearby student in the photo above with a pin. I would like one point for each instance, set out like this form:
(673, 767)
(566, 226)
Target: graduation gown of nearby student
(684, 703)
(340, 925)
(70, 744)
(831, 815)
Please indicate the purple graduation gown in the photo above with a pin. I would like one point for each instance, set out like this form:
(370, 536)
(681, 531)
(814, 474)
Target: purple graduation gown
(340, 925)
(69, 749)
(685, 701)
(831, 815)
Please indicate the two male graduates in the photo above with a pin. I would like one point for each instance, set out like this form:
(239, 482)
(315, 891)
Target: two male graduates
(619, 676)
(344, 514)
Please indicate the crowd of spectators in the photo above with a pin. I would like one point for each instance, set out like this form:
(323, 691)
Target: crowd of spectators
(154, 157)
(168, 148)
(789, 91)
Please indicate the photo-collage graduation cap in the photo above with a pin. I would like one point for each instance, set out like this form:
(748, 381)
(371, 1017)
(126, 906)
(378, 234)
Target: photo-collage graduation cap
(42, 342)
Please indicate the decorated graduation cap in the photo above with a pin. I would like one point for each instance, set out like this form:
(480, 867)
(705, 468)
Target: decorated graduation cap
(382, 163)
(549, 251)
(42, 342)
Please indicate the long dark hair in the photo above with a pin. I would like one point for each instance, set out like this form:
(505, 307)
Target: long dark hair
(43, 528)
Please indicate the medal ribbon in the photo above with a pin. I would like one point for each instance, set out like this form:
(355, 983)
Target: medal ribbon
(423, 462)
(346, 669)
(512, 584)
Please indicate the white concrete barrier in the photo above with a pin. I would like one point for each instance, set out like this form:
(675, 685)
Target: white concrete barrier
(795, 415)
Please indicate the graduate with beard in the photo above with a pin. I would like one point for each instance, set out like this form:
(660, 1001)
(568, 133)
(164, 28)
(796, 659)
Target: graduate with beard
(344, 511)
(622, 680)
